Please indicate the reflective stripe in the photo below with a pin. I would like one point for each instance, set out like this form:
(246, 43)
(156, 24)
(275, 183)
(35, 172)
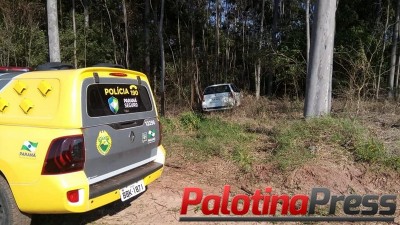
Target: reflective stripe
(119, 171)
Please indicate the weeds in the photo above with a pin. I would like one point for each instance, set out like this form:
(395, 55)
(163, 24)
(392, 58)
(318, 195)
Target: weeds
(243, 158)
(206, 136)
(298, 139)
(190, 120)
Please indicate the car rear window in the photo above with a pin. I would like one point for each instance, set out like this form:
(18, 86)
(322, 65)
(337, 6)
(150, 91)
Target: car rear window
(216, 89)
(112, 99)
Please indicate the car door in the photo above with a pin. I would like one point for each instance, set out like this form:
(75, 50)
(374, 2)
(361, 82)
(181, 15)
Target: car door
(121, 128)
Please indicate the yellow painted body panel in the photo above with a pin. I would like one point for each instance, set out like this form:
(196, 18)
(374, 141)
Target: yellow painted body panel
(19, 169)
(40, 106)
(48, 195)
(60, 107)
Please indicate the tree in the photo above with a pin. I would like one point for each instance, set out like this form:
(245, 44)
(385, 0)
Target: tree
(257, 75)
(308, 29)
(126, 33)
(393, 53)
(53, 34)
(162, 59)
(147, 38)
(86, 27)
(319, 74)
(74, 30)
(217, 36)
(86, 12)
(112, 32)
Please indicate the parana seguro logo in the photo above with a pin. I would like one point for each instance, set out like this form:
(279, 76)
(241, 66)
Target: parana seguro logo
(113, 104)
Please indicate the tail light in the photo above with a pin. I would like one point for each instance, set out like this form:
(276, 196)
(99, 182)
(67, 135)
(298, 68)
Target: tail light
(73, 196)
(65, 155)
(230, 94)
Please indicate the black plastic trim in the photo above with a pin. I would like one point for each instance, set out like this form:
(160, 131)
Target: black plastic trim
(127, 124)
(122, 180)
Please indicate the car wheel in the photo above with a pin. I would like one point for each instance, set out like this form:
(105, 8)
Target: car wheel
(9, 212)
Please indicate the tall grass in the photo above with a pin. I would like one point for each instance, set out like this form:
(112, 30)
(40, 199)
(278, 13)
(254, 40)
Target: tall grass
(205, 136)
(297, 141)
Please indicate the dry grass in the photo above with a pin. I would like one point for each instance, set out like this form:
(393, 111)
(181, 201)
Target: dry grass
(265, 117)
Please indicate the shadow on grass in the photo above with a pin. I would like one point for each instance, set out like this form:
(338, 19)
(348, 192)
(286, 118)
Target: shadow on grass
(83, 218)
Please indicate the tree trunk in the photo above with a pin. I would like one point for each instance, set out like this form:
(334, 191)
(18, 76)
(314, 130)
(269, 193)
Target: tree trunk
(162, 72)
(319, 74)
(257, 77)
(112, 32)
(243, 49)
(86, 12)
(147, 37)
(275, 20)
(217, 52)
(179, 71)
(378, 83)
(393, 53)
(74, 30)
(85, 4)
(193, 78)
(308, 29)
(52, 27)
(126, 34)
(396, 80)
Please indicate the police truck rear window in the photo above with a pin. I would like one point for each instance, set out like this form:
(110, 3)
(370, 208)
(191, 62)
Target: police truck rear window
(112, 99)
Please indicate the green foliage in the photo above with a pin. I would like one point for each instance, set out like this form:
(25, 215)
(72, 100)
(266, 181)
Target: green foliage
(191, 44)
(243, 157)
(206, 136)
(212, 136)
(191, 120)
(370, 150)
(168, 125)
(298, 140)
(22, 40)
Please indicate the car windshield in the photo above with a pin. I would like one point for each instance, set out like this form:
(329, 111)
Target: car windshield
(216, 89)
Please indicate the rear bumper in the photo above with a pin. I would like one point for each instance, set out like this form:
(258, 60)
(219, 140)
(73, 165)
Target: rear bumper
(226, 103)
(49, 194)
(217, 108)
(123, 179)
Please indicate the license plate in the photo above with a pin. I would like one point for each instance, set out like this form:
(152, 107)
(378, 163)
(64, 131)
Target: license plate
(132, 190)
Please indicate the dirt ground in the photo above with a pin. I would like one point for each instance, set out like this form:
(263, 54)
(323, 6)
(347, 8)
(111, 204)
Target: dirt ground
(161, 203)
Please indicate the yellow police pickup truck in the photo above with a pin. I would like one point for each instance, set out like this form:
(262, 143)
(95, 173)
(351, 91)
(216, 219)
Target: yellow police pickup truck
(73, 140)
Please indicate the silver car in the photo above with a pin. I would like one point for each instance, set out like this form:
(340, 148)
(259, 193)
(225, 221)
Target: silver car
(220, 96)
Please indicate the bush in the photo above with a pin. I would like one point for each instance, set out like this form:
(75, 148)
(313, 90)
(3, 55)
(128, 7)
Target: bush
(206, 136)
(190, 120)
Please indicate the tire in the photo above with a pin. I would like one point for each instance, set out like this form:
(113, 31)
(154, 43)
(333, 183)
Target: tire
(9, 212)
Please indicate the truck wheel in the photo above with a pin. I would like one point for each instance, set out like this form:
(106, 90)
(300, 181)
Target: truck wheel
(9, 212)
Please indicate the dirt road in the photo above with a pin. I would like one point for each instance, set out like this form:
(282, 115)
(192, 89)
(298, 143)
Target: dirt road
(160, 204)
